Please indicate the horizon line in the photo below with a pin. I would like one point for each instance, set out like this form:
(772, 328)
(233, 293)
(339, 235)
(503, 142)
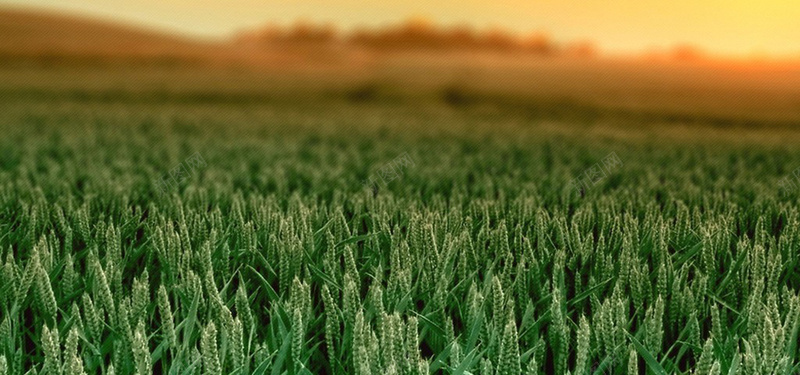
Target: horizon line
(230, 37)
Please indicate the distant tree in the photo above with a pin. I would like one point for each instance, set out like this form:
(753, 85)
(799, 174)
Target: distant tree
(305, 32)
(539, 43)
(416, 33)
(266, 35)
(498, 39)
(461, 37)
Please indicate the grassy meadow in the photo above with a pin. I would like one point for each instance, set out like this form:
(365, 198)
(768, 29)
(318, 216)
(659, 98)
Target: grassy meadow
(359, 229)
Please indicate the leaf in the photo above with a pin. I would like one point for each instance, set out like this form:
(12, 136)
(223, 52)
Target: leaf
(651, 361)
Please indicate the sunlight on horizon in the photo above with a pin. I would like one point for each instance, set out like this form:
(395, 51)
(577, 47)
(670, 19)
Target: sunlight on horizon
(732, 27)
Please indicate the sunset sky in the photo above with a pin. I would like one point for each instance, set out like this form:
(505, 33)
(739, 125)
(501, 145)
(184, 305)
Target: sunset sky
(732, 27)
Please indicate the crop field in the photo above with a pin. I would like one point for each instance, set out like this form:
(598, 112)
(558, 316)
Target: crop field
(369, 237)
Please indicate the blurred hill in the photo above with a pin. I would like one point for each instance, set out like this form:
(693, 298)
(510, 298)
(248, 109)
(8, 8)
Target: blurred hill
(49, 56)
(50, 38)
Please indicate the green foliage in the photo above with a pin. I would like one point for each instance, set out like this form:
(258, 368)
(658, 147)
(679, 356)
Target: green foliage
(476, 259)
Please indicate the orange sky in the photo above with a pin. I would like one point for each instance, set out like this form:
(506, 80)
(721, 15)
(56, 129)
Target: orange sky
(732, 27)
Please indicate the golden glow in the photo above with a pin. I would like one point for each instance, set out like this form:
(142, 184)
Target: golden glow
(733, 27)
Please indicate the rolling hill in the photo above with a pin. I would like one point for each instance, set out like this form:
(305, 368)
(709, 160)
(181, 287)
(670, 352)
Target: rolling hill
(35, 33)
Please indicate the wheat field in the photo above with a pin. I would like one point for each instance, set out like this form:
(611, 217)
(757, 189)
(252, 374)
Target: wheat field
(384, 238)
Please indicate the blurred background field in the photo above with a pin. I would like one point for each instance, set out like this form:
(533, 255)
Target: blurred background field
(45, 56)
